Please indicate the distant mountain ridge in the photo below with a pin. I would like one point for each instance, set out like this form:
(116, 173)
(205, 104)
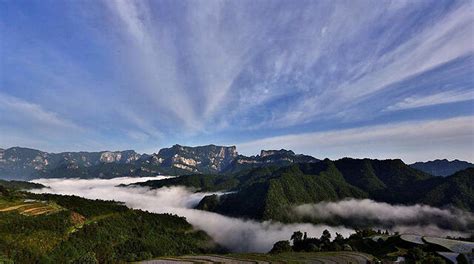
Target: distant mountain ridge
(24, 163)
(442, 167)
(280, 157)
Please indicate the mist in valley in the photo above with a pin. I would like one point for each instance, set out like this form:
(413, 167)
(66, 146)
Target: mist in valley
(241, 235)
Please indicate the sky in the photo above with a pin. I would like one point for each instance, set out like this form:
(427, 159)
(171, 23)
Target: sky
(378, 79)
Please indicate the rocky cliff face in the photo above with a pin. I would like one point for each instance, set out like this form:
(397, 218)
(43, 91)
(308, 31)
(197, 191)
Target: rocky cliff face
(280, 157)
(127, 156)
(204, 159)
(24, 163)
(281, 152)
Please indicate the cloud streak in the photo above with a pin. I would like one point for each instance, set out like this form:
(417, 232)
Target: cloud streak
(433, 99)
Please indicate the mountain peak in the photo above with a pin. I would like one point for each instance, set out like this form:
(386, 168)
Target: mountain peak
(264, 153)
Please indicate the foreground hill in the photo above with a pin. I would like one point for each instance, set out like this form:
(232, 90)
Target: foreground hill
(442, 167)
(43, 228)
(23, 163)
(270, 192)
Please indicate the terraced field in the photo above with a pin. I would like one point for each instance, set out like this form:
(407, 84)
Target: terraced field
(29, 207)
(452, 245)
(415, 239)
(320, 257)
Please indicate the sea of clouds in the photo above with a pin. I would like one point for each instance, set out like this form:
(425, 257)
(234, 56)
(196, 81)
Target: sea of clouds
(238, 235)
(241, 235)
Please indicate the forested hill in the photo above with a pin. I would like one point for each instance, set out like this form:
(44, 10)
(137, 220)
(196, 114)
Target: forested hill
(44, 228)
(269, 192)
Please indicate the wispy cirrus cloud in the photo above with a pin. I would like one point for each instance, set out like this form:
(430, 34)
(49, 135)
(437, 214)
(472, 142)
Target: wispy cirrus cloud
(447, 38)
(23, 122)
(433, 99)
(160, 72)
(20, 111)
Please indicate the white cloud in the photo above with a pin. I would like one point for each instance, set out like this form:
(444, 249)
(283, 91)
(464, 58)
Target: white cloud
(410, 141)
(417, 219)
(386, 213)
(433, 99)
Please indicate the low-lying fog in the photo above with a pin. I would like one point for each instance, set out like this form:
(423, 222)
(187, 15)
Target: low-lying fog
(236, 234)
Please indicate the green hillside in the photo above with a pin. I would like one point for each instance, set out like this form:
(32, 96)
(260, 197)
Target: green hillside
(45, 228)
(269, 192)
(457, 190)
(270, 196)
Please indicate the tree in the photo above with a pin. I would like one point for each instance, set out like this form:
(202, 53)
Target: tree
(297, 236)
(326, 237)
(281, 246)
(339, 238)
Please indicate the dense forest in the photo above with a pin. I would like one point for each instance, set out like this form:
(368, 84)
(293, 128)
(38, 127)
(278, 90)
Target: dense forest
(45, 228)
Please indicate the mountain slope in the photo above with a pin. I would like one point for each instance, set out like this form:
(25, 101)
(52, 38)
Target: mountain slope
(272, 197)
(269, 192)
(457, 190)
(442, 167)
(384, 180)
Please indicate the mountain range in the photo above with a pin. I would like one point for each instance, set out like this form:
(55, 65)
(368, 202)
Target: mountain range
(24, 163)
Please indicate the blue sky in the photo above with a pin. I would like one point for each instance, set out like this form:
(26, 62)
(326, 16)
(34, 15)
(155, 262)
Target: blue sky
(381, 79)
